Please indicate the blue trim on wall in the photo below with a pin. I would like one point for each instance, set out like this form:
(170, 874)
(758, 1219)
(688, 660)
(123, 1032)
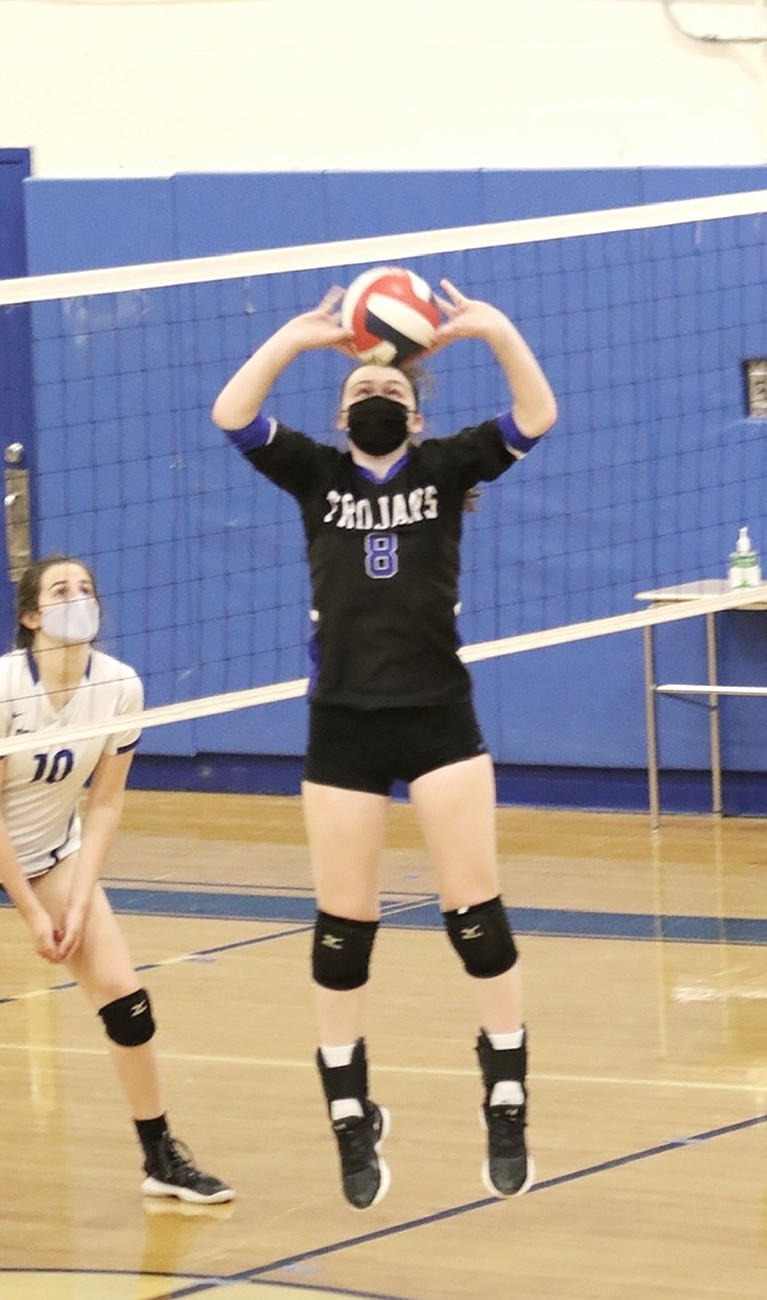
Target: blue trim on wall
(217, 773)
(592, 789)
(15, 347)
(99, 222)
(77, 225)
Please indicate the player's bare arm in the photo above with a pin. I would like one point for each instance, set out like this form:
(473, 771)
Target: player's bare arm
(22, 895)
(534, 406)
(240, 401)
(102, 818)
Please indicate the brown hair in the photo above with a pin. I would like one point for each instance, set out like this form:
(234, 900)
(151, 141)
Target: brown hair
(28, 593)
(415, 376)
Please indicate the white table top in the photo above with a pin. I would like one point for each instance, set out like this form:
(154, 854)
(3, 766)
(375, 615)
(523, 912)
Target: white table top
(689, 591)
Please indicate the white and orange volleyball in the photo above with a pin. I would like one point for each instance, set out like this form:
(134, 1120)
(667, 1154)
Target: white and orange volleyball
(392, 314)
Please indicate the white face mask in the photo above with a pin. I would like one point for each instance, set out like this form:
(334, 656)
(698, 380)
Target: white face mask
(73, 621)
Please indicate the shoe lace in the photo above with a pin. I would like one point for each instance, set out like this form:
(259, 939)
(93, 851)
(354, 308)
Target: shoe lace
(175, 1158)
(356, 1143)
(179, 1152)
(506, 1126)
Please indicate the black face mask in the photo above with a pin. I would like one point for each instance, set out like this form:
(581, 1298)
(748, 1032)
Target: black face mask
(377, 425)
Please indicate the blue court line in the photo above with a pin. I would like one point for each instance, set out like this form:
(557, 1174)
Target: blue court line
(199, 1285)
(238, 907)
(424, 914)
(557, 922)
(544, 922)
(201, 955)
(290, 1261)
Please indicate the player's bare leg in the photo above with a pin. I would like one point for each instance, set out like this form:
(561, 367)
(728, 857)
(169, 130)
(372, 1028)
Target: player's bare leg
(103, 968)
(346, 831)
(456, 809)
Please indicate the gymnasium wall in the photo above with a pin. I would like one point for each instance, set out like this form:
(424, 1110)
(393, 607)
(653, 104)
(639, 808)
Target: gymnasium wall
(540, 711)
(183, 130)
(100, 89)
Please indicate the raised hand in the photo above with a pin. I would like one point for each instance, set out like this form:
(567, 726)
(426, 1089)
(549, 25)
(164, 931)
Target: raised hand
(467, 318)
(242, 398)
(321, 326)
(534, 406)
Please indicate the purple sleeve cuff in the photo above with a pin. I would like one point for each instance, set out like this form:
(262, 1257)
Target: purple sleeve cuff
(514, 440)
(254, 435)
(124, 749)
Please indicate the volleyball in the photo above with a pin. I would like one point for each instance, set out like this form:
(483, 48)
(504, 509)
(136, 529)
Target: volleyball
(392, 314)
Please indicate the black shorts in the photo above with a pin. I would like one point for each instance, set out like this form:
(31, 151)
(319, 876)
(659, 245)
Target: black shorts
(365, 750)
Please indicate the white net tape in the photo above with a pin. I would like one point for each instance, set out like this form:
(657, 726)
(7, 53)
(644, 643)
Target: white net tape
(381, 248)
(231, 701)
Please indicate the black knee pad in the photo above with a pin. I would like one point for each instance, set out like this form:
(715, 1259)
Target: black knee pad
(341, 951)
(128, 1021)
(482, 937)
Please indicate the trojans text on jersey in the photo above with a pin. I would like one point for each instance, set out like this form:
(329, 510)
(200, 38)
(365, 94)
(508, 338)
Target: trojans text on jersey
(382, 512)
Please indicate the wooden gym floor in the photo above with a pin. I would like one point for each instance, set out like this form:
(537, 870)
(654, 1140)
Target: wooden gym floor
(645, 962)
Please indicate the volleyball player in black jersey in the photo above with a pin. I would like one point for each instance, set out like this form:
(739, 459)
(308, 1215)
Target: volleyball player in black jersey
(390, 699)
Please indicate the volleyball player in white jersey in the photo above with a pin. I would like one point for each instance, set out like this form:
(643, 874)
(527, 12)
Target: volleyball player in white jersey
(51, 859)
(390, 699)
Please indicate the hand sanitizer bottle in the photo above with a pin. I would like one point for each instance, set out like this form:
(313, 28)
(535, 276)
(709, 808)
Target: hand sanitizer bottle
(744, 563)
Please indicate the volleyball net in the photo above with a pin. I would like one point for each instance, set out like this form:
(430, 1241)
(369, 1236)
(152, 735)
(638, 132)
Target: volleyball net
(649, 322)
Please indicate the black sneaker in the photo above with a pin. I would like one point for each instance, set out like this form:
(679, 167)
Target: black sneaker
(171, 1171)
(364, 1174)
(508, 1169)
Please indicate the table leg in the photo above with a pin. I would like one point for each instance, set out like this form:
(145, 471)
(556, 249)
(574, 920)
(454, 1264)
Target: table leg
(652, 726)
(713, 717)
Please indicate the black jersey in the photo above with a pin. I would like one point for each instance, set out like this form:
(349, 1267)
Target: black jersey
(384, 562)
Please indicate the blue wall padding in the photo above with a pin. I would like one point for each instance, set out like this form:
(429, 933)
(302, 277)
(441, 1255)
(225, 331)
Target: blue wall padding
(16, 418)
(79, 224)
(202, 562)
(76, 225)
(251, 211)
(660, 184)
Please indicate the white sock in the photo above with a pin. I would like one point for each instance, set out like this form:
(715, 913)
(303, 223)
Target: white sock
(507, 1092)
(502, 1042)
(345, 1108)
(335, 1056)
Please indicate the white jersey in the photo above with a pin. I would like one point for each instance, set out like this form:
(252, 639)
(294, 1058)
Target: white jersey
(43, 785)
